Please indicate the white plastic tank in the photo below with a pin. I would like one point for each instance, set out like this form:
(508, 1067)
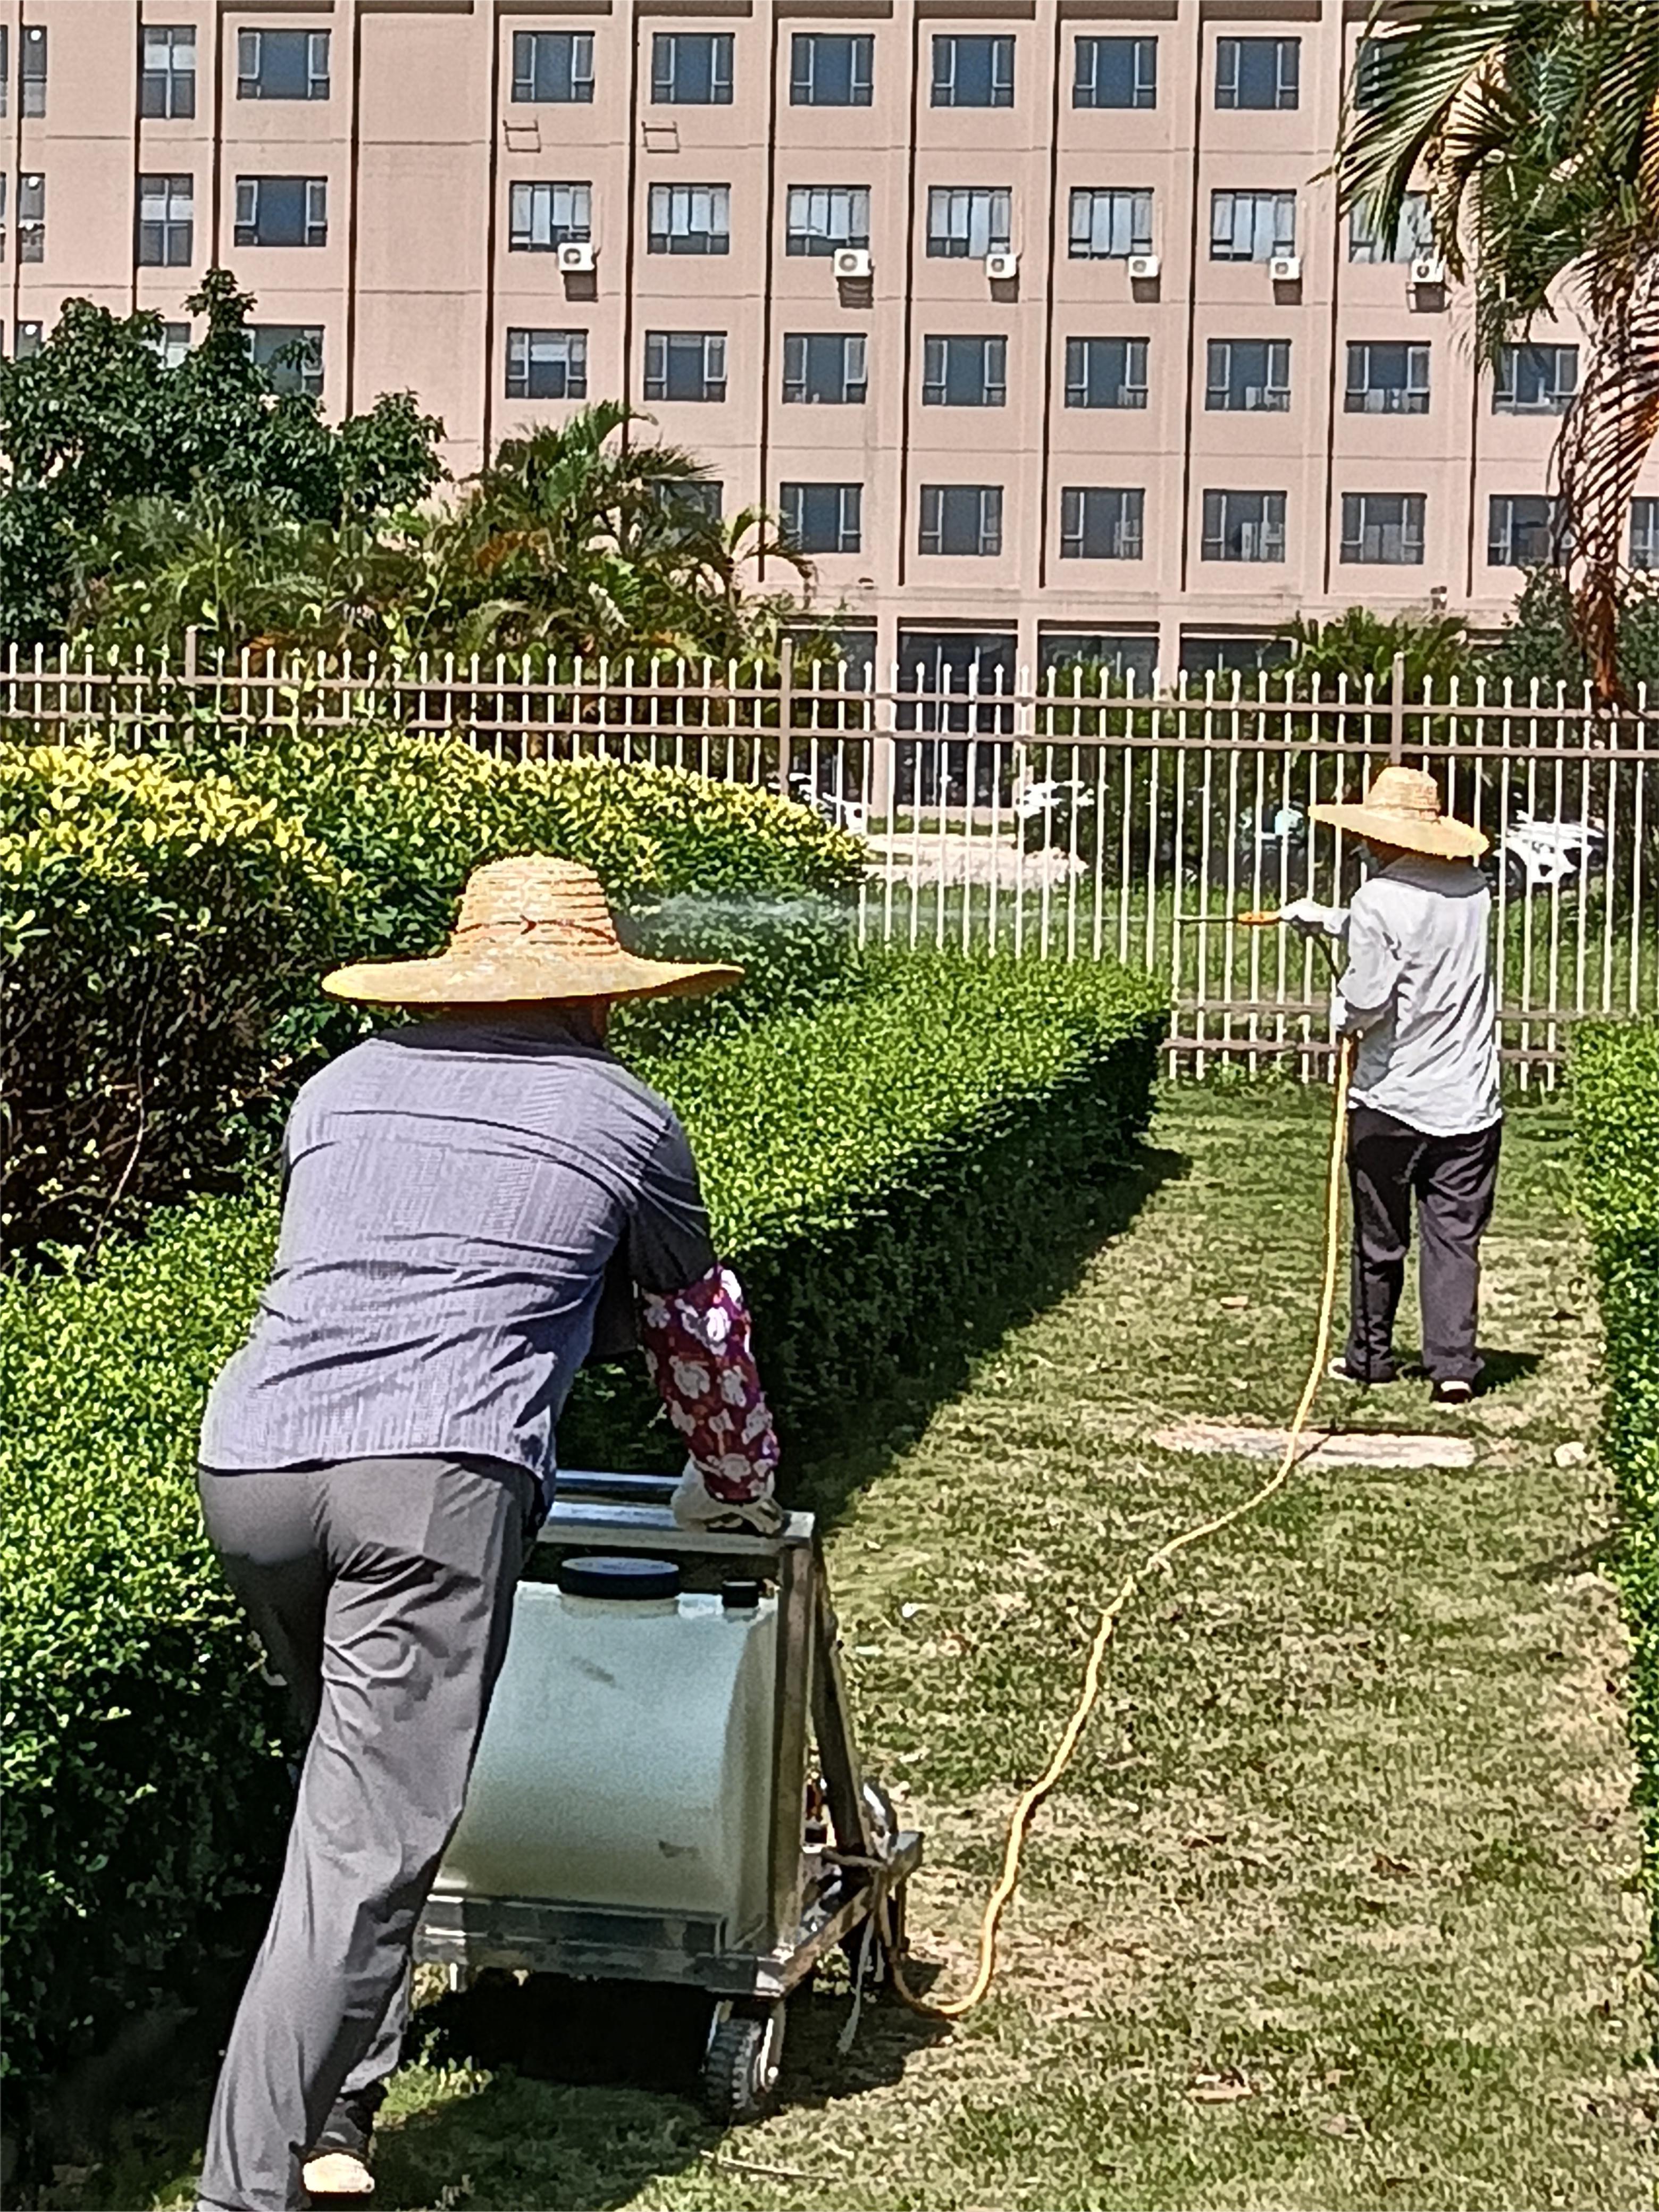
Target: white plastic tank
(626, 1761)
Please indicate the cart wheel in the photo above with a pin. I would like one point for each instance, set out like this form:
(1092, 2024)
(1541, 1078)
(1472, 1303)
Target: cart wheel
(740, 2071)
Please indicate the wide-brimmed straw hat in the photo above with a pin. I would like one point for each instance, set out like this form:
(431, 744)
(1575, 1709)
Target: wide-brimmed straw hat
(529, 928)
(1402, 807)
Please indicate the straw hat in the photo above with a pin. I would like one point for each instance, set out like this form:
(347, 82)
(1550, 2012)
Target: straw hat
(1402, 807)
(529, 928)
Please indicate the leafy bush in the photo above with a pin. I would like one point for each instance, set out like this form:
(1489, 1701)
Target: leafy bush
(157, 929)
(169, 919)
(866, 1165)
(1615, 1090)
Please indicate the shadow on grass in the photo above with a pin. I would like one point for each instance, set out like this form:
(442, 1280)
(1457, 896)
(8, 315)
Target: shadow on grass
(878, 1430)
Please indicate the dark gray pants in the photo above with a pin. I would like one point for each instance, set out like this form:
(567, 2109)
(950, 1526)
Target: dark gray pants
(382, 1590)
(1453, 1180)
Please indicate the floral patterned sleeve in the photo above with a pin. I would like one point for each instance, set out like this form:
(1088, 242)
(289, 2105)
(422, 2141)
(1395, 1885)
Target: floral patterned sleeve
(697, 1348)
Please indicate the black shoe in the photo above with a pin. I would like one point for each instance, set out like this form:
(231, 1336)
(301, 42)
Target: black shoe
(1452, 1395)
(1340, 1372)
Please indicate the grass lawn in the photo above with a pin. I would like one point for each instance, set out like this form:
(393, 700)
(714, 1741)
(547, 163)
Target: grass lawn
(1338, 1908)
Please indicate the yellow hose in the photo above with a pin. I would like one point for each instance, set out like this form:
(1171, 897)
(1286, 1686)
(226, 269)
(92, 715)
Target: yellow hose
(1089, 1697)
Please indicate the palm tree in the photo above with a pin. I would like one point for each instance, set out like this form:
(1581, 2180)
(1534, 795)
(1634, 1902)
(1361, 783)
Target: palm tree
(1537, 125)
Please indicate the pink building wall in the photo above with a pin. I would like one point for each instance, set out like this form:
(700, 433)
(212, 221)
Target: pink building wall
(420, 141)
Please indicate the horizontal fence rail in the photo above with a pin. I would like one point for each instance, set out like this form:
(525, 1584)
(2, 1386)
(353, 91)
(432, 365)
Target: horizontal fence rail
(1072, 818)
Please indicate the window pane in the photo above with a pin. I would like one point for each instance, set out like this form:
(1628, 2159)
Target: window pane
(282, 65)
(1252, 226)
(32, 71)
(291, 353)
(1535, 379)
(1115, 73)
(966, 223)
(1644, 533)
(167, 66)
(1388, 378)
(1110, 224)
(822, 518)
(973, 72)
(1244, 526)
(823, 217)
(546, 364)
(1257, 72)
(1384, 529)
(1099, 523)
(1249, 376)
(555, 66)
(1106, 371)
(1413, 238)
(689, 219)
(831, 71)
(691, 68)
(824, 367)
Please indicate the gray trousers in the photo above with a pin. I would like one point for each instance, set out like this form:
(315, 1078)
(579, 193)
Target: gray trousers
(382, 1592)
(1453, 1180)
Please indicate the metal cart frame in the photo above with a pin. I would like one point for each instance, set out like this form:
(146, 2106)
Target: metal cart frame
(821, 1887)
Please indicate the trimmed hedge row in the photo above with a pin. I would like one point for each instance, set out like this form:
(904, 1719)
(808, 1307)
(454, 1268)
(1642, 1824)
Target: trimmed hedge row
(165, 920)
(867, 1164)
(1615, 1093)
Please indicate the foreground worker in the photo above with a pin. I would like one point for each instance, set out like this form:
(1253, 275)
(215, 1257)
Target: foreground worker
(1424, 1120)
(461, 1199)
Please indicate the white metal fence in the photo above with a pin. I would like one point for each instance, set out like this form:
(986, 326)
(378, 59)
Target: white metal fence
(1068, 819)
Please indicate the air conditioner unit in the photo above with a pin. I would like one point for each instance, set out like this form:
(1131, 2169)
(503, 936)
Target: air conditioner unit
(1143, 268)
(1285, 269)
(577, 256)
(852, 262)
(1428, 271)
(1001, 268)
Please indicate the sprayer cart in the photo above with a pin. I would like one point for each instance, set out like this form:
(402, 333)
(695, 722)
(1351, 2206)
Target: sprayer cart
(668, 1790)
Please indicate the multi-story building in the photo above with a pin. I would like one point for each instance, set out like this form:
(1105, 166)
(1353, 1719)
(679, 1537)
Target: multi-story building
(1037, 323)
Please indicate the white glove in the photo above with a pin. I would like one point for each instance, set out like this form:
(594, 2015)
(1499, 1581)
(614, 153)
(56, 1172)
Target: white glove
(1309, 918)
(696, 1506)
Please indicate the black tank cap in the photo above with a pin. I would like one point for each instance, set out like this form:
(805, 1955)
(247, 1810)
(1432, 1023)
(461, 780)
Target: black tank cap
(740, 1596)
(619, 1577)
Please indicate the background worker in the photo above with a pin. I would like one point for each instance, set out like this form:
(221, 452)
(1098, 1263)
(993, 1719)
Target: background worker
(458, 1193)
(1425, 1119)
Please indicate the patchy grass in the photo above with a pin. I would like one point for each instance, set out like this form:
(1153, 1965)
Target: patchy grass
(1337, 1908)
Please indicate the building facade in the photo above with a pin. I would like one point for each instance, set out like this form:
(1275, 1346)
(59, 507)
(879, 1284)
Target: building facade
(1037, 324)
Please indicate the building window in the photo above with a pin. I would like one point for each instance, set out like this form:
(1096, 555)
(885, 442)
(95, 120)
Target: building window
(1130, 656)
(1413, 235)
(32, 218)
(281, 211)
(1535, 379)
(166, 69)
(685, 364)
(1110, 224)
(27, 339)
(1644, 533)
(1384, 529)
(1249, 376)
(1115, 73)
(823, 218)
(1388, 380)
(824, 368)
(167, 226)
(282, 65)
(5, 90)
(171, 344)
(3, 241)
(1244, 526)
(542, 217)
(1105, 372)
(1231, 654)
(966, 222)
(1374, 59)
(546, 364)
(552, 67)
(291, 355)
(691, 68)
(689, 219)
(973, 72)
(32, 71)
(964, 518)
(1524, 531)
(1099, 523)
(964, 371)
(1258, 72)
(830, 69)
(692, 502)
(1252, 226)
(822, 518)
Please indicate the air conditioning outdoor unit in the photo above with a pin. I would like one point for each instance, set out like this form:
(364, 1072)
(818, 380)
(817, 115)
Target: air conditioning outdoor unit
(1285, 269)
(853, 261)
(576, 257)
(1000, 268)
(1428, 271)
(1143, 268)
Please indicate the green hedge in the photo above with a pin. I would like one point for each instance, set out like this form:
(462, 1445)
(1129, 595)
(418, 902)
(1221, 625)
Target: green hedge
(166, 921)
(157, 928)
(1615, 1093)
(869, 1166)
